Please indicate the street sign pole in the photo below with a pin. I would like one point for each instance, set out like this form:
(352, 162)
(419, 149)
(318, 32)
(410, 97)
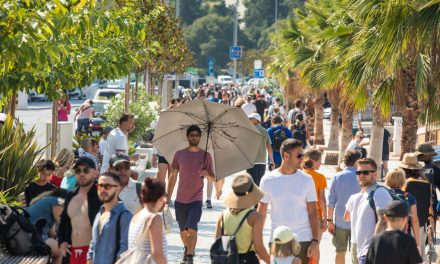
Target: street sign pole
(234, 41)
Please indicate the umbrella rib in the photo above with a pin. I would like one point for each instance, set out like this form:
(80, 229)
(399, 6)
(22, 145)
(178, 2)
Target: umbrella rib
(222, 114)
(196, 118)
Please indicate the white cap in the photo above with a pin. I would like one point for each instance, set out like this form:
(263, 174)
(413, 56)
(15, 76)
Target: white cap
(255, 116)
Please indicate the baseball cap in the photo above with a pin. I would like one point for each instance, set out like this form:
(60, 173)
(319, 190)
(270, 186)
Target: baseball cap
(255, 116)
(397, 209)
(116, 159)
(283, 234)
(85, 161)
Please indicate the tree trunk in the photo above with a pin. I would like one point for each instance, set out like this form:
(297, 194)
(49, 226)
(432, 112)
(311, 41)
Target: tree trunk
(376, 140)
(54, 133)
(345, 136)
(318, 127)
(411, 112)
(136, 85)
(333, 96)
(12, 104)
(309, 109)
(159, 90)
(169, 90)
(127, 94)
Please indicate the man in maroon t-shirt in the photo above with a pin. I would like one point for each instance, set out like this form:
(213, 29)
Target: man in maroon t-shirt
(192, 164)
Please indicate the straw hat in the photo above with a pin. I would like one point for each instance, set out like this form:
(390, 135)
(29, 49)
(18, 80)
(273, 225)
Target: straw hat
(426, 149)
(245, 193)
(410, 162)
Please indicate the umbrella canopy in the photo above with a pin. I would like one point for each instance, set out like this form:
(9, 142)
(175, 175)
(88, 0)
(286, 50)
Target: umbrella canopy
(227, 134)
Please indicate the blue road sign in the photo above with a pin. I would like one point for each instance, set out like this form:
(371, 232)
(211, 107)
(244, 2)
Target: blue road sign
(259, 73)
(235, 52)
(211, 63)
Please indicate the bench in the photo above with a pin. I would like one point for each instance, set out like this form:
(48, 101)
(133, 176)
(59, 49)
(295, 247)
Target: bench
(331, 157)
(5, 259)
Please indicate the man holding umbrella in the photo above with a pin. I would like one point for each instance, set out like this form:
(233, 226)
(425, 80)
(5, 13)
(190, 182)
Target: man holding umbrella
(192, 164)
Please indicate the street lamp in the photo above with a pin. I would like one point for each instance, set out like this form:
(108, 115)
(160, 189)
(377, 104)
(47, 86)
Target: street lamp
(234, 41)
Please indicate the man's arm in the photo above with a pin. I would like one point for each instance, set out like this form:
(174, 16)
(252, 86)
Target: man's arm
(313, 249)
(270, 153)
(124, 225)
(262, 209)
(381, 223)
(171, 183)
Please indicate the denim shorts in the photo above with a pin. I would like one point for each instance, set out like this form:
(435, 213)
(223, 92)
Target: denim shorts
(188, 214)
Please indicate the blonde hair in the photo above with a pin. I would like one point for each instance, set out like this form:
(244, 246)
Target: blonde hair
(395, 178)
(310, 156)
(64, 157)
(288, 249)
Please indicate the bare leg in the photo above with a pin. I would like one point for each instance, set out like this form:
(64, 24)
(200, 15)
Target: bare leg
(162, 171)
(340, 258)
(192, 241)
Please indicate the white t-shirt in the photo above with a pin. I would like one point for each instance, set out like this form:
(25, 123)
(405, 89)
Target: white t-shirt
(130, 198)
(365, 217)
(353, 202)
(288, 196)
(249, 108)
(353, 145)
(297, 111)
(102, 145)
(116, 142)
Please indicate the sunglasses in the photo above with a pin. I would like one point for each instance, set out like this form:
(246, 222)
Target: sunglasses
(365, 172)
(106, 187)
(122, 167)
(300, 156)
(78, 170)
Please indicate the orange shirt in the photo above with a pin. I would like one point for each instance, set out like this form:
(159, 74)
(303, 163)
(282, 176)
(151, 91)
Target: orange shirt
(320, 184)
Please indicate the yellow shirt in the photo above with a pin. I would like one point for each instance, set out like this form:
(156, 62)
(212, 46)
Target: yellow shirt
(320, 184)
(244, 234)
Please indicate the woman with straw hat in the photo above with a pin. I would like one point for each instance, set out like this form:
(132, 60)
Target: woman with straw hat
(421, 189)
(249, 237)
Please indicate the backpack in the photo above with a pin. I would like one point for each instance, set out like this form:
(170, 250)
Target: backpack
(300, 134)
(224, 250)
(292, 117)
(18, 235)
(396, 197)
(279, 137)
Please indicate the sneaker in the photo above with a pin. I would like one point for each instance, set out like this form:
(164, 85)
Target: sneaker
(185, 257)
(208, 204)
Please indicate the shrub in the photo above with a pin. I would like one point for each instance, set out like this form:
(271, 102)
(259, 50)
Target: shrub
(19, 152)
(145, 109)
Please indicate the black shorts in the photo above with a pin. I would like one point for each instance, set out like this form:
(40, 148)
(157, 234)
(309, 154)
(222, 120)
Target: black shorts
(385, 157)
(188, 214)
(161, 159)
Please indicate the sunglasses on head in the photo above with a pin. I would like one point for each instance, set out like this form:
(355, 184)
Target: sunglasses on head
(106, 187)
(79, 170)
(364, 172)
(122, 167)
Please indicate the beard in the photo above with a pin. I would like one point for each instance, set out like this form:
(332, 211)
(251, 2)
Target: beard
(106, 199)
(85, 183)
(194, 143)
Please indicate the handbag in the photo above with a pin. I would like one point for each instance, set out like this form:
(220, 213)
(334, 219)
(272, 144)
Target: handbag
(167, 219)
(137, 255)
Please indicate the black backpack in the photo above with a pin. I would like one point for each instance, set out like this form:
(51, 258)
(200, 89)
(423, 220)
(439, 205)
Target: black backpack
(224, 250)
(300, 134)
(279, 136)
(18, 235)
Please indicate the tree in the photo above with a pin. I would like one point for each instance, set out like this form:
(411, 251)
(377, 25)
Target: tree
(192, 10)
(219, 7)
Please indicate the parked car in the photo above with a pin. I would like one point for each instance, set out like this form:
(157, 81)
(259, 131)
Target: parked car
(76, 93)
(107, 94)
(327, 113)
(224, 79)
(34, 96)
(115, 84)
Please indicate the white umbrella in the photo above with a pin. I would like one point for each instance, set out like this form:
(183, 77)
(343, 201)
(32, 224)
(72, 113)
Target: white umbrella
(227, 134)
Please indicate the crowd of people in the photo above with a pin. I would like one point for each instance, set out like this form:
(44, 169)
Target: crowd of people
(90, 208)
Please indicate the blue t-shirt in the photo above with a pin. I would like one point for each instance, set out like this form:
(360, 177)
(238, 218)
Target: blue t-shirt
(42, 210)
(68, 183)
(271, 131)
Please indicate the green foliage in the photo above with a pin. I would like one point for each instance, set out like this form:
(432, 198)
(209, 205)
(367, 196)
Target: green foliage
(190, 10)
(145, 109)
(20, 151)
(77, 138)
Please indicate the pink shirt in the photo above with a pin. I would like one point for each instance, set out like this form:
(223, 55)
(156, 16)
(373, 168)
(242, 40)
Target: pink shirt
(63, 111)
(189, 164)
(87, 112)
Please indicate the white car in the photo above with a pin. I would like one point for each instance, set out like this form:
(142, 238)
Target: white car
(115, 84)
(107, 94)
(224, 79)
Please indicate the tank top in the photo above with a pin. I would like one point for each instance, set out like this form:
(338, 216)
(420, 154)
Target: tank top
(244, 234)
(136, 228)
(282, 260)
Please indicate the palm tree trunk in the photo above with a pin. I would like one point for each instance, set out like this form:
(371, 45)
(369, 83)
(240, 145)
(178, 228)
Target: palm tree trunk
(411, 112)
(309, 109)
(376, 140)
(318, 127)
(333, 142)
(345, 136)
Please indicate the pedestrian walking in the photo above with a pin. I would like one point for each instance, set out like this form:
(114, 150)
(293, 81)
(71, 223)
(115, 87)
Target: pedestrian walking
(83, 115)
(386, 150)
(357, 144)
(291, 116)
(103, 141)
(117, 141)
(64, 108)
(80, 209)
(285, 247)
(259, 168)
(63, 161)
(278, 133)
(249, 237)
(148, 223)
(425, 153)
(299, 129)
(110, 227)
(45, 169)
(289, 187)
(418, 186)
(261, 105)
(393, 245)
(193, 165)
(249, 107)
(86, 150)
(370, 208)
(395, 181)
(343, 185)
